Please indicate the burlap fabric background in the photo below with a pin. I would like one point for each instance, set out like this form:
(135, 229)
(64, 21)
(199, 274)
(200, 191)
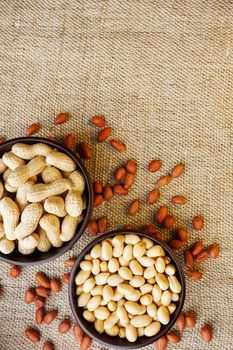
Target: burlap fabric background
(162, 74)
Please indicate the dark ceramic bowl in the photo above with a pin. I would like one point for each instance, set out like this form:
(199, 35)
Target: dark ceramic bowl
(37, 257)
(117, 342)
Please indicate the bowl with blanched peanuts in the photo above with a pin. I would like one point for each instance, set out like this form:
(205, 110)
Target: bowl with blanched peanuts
(46, 200)
(126, 289)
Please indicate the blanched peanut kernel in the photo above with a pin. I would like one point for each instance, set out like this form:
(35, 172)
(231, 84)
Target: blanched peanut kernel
(126, 286)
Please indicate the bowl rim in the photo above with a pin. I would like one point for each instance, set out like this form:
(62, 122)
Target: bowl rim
(89, 189)
(146, 340)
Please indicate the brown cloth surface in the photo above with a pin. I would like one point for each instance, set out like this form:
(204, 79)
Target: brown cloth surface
(162, 74)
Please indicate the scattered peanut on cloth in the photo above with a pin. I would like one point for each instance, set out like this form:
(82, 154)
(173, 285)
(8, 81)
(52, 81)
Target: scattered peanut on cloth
(41, 198)
(127, 287)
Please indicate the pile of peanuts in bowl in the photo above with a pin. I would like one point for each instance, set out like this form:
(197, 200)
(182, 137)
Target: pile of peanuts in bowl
(41, 196)
(127, 287)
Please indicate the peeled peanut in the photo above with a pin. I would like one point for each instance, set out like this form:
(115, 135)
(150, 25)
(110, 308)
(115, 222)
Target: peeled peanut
(89, 316)
(114, 280)
(102, 313)
(131, 333)
(102, 278)
(149, 272)
(118, 240)
(97, 290)
(113, 265)
(123, 261)
(106, 251)
(117, 296)
(132, 239)
(155, 251)
(148, 242)
(141, 321)
(108, 292)
(124, 288)
(122, 315)
(163, 315)
(141, 331)
(86, 265)
(95, 266)
(136, 268)
(83, 299)
(135, 296)
(156, 293)
(117, 251)
(94, 303)
(171, 308)
(111, 321)
(112, 306)
(146, 288)
(128, 252)
(88, 257)
(79, 289)
(88, 285)
(170, 269)
(152, 329)
(146, 261)
(174, 284)
(137, 281)
(121, 332)
(160, 264)
(151, 310)
(151, 280)
(175, 297)
(139, 249)
(104, 266)
(166, 298)
(113, 332)
(167, 260)
(132, 307)
(82, 276)
(162, 281)
(104, 302)
(146, 299)
(96, 251)
(99, 325)
(125, 273)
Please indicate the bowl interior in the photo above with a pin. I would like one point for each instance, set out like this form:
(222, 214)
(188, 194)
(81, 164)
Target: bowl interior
(117, 342)
(38, 257)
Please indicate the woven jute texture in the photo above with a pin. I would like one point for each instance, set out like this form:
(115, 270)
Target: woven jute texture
(161, 72)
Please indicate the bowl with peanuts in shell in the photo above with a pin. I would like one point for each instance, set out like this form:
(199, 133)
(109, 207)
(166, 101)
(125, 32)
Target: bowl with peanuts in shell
(46, 200)
(126, 289)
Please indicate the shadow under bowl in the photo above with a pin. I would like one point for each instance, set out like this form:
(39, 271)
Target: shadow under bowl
(38, 257)
(117, 342)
